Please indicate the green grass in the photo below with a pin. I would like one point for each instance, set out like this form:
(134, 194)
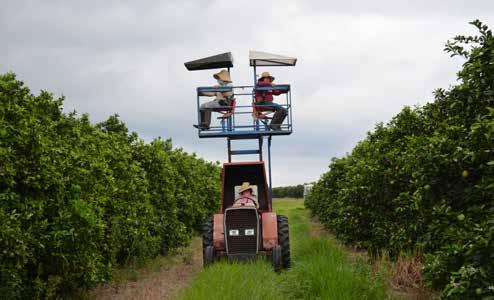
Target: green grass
(321, 270)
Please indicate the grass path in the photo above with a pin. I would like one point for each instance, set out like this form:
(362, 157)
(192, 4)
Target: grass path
(321, 270)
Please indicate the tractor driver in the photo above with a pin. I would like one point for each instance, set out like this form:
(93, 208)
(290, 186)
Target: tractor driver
(246, 197)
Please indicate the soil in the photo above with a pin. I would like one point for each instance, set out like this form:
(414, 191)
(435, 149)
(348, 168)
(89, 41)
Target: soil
(164, 283)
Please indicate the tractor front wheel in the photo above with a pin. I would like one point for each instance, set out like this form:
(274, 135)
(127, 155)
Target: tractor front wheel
(208, 256)
(207, 243)
(284, 241)
(276, 258)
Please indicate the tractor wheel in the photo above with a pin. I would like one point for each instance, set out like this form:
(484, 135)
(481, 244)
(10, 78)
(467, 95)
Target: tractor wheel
(208, 257)
(207, 243)
(284, 241)
(276, 258)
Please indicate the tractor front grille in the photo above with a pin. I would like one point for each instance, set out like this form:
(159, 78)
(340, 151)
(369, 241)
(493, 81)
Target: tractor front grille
(241, 230)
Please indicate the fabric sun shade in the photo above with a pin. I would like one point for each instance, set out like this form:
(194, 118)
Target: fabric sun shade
(258, 58)
(224, 60)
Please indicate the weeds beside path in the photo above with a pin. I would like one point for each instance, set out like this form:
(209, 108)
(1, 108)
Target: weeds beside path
(160, 279)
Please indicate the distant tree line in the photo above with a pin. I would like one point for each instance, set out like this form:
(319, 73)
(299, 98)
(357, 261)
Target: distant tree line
(293, 191)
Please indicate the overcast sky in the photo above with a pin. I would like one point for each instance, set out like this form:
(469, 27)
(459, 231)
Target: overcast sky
(359, 63)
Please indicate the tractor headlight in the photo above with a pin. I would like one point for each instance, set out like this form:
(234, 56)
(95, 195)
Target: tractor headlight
(249, 231)
(233, 232)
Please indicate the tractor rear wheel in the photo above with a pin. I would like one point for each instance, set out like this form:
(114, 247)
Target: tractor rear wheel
(284, 241)
(207, 243)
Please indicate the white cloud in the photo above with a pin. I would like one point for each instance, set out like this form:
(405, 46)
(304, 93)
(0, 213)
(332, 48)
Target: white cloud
(359, 63)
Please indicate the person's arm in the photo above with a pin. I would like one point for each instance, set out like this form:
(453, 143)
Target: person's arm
(278, 92)
(254, 199)
(210, 94)
(228, 94)
(235, 202)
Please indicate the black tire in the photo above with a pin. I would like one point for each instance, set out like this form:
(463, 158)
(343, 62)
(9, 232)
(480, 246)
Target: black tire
(284, 241)
(276, 258)
(208, 257)
(207, 243)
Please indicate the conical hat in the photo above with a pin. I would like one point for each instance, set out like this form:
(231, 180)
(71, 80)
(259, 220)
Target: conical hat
(223, 75)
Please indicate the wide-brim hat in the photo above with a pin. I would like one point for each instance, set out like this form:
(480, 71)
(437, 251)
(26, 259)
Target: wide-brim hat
(245, 187)
(266, 74)
(223, 75)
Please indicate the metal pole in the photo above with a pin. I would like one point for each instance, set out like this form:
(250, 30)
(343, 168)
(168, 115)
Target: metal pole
(255, 122)
(260, 148)
(270, 182)
(291, 111)
(229, 150)
(198, 112)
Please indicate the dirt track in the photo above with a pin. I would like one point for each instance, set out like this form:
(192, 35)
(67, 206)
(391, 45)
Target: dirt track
(164, 282)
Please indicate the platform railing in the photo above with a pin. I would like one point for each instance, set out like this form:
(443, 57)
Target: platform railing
(239, 120)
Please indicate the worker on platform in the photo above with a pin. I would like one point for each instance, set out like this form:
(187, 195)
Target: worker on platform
(221, 99)
(246, 197)
(264, 100)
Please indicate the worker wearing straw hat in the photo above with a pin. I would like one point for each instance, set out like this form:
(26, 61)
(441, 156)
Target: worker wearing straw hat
(247, 197)
(264, 99)
(222, 99)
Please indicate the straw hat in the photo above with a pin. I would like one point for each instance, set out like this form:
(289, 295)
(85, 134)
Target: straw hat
(223, 75)
(266, 74)
(245, 186)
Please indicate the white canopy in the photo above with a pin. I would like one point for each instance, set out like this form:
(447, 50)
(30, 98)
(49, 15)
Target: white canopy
(258, 58)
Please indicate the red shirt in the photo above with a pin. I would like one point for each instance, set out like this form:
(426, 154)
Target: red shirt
(266, 96)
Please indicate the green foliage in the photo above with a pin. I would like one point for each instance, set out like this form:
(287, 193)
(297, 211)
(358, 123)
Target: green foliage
(425, 181)
(77, 199)
(294, 191)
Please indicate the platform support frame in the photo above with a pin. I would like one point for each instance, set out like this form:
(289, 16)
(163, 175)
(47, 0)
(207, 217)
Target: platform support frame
(259, 151)
(269, 168)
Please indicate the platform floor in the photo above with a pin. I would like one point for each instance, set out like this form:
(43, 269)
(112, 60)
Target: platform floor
(245, 134)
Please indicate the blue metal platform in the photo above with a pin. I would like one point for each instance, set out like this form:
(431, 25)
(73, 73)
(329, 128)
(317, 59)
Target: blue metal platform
(241, 122)
(253, 134)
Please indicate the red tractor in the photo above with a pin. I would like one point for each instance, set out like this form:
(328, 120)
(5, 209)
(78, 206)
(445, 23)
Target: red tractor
(240, 232)
(245, 232)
